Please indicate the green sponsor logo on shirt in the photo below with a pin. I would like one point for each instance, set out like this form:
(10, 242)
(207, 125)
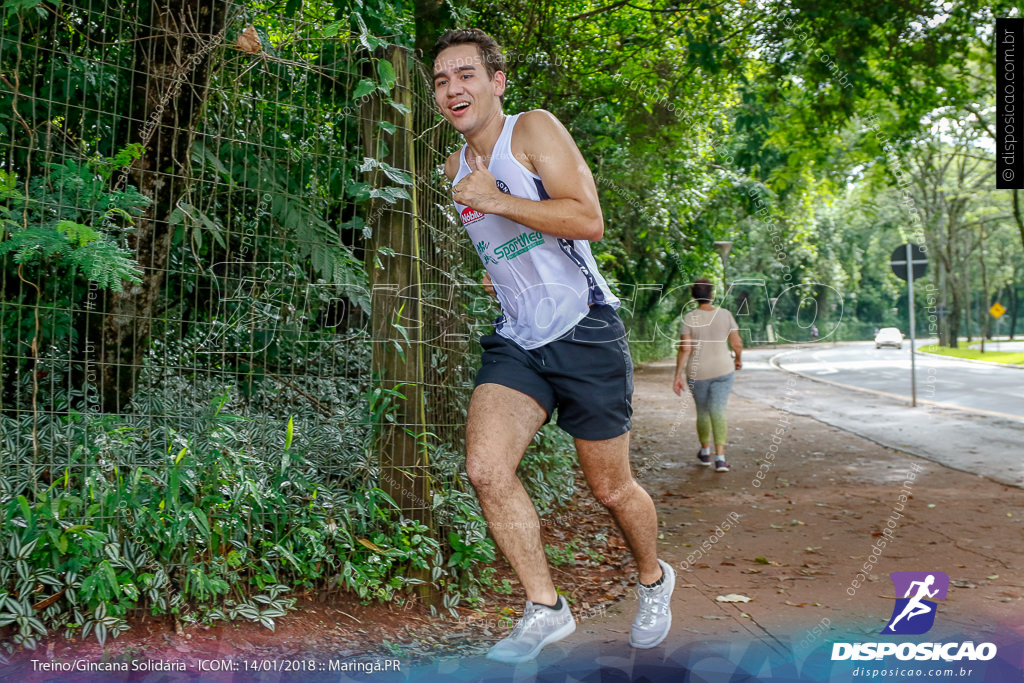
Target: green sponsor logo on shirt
(518, 246)
(481, 247)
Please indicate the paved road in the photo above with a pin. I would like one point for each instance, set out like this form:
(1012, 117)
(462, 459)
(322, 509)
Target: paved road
(980, 441)
(945, 381)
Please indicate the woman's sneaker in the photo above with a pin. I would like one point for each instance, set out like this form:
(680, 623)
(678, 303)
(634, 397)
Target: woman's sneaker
(540, 626)
(704, 458)
(721, 465)
(654, 618)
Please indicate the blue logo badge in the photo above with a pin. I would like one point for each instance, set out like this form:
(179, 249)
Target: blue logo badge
(914, 613)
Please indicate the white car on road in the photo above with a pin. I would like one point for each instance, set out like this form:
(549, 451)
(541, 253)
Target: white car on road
(889, 336)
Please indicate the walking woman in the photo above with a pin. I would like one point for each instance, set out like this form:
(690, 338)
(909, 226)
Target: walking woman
(706, 364)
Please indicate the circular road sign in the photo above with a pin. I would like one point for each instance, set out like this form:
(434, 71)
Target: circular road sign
(898, 261)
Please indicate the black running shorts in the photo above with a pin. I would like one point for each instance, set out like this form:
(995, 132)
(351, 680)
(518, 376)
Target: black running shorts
(587, 374)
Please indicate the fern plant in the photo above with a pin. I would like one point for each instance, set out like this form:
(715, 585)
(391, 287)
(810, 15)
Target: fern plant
(72, 219)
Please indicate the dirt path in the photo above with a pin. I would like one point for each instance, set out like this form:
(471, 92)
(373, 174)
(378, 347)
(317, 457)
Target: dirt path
(800, 535)
(794, 540)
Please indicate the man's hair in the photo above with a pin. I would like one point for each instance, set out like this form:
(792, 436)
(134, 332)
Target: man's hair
(490, 52)
(702, 290)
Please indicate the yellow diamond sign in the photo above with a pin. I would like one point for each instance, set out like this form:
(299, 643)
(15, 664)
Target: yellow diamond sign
(997, 310)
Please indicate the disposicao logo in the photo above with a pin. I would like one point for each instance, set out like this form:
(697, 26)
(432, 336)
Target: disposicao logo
(914, 614)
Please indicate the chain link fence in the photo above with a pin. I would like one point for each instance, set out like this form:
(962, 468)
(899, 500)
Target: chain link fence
(236, 312)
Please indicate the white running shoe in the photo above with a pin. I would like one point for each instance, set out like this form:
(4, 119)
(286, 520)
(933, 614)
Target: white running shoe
(540, 626)
(654, 618)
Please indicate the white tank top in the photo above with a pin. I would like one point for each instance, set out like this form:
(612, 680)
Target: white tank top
(545, 284)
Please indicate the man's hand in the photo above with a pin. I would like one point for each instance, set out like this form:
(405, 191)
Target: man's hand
(488, 285)
(677, 385)
(478, 190)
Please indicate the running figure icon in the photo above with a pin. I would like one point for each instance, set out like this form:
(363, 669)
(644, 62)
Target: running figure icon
(916, 607)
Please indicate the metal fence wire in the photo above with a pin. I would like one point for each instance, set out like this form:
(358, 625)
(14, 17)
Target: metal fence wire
(236, 307)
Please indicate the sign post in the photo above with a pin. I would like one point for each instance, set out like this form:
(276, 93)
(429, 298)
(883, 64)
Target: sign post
(997, 311)
(908, 261)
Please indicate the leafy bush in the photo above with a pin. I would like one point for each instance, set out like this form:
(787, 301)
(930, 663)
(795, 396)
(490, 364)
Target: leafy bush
(72, 222)
(547, 470)
(230, 520)
(220, 513)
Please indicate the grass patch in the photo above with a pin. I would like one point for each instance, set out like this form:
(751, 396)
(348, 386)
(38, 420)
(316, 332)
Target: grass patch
(1012, 358)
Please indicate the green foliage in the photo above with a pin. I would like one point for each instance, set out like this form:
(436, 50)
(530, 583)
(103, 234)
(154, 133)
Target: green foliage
(244, 472)
(22, 5)
(682, 114)
(214, 527)
(226, 514)
(561, 557)
(565, 556)
(227, 490)
(48, 228)
(547, 470)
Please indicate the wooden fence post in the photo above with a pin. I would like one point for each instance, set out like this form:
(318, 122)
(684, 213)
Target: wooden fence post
(395, 275)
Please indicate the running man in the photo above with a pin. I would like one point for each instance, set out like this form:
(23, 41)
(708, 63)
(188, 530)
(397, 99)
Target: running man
(529, 203)
(915, 607)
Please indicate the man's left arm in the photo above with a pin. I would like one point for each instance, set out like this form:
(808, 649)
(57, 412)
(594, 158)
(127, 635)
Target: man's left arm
(573, 210)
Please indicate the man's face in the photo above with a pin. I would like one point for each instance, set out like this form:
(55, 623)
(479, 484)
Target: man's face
(467, 96)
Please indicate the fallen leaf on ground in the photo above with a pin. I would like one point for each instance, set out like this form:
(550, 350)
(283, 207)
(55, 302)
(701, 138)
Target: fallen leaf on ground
(732, 597)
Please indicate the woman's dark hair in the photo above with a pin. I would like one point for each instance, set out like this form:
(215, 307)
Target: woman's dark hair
(702, 290)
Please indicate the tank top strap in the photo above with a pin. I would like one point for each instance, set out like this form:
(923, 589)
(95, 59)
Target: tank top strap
(503, 146)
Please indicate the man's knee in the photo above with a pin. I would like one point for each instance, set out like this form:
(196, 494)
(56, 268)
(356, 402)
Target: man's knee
(611, 493)
(485, 474)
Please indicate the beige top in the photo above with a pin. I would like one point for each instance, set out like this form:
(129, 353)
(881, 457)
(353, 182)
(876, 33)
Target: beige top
(710, 356)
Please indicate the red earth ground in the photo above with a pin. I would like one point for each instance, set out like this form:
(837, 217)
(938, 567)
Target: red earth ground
(798, 539)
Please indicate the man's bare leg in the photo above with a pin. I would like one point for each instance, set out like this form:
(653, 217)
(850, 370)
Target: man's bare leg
(500, 426)
(606, 467)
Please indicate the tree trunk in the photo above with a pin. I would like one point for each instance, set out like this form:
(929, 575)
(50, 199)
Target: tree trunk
(1017, 215)
(394, 268)
(1014, 301)
(172, 68)
(984, 329)
(968, 304)
(954, 319)
(432, 18)
(393, 263)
